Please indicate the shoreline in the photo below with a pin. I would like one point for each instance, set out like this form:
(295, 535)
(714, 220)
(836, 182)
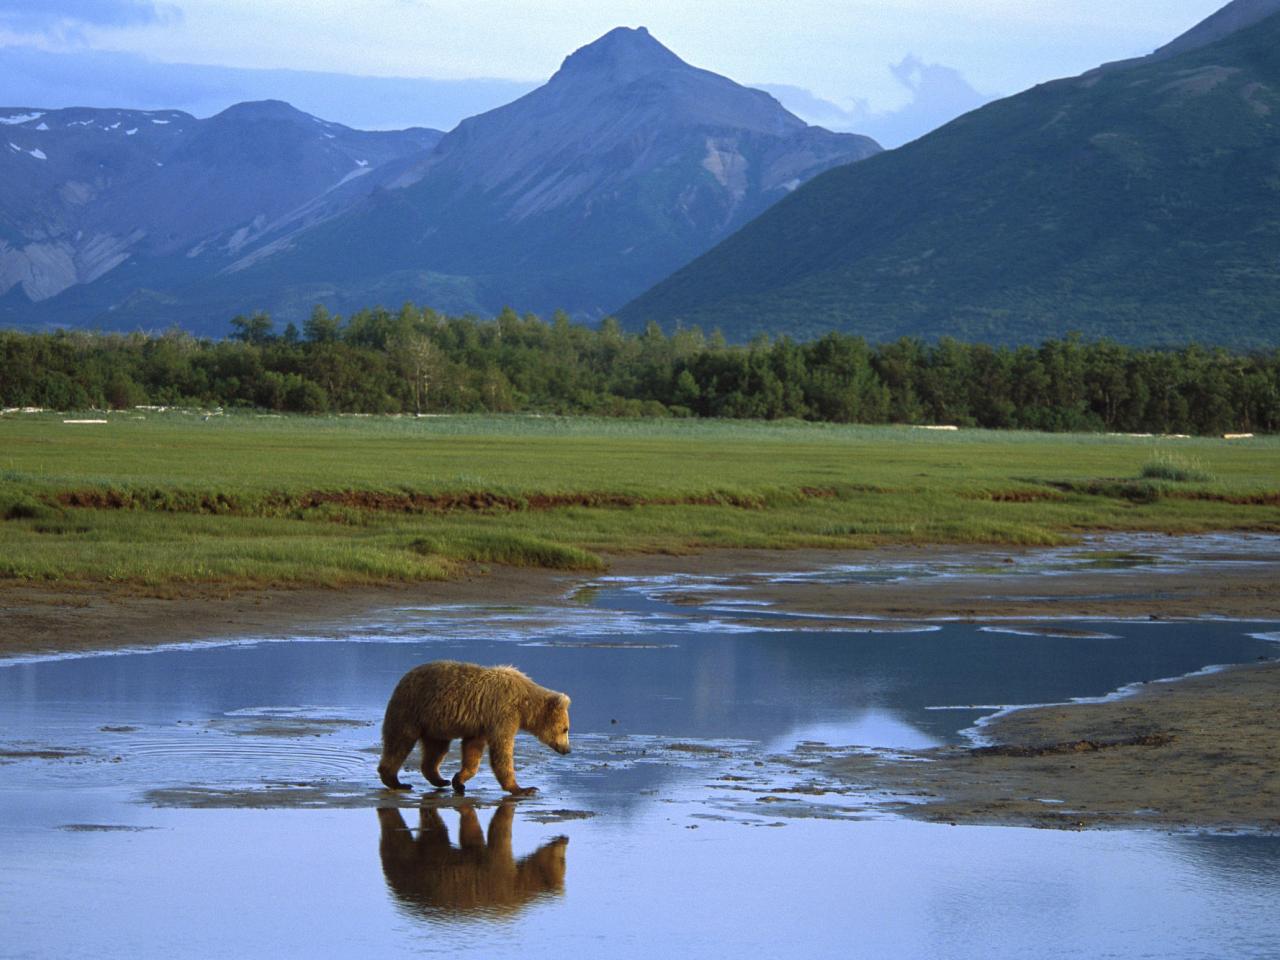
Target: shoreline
(39, 619)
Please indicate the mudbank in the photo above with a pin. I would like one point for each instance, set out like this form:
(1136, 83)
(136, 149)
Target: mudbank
(1202, 753)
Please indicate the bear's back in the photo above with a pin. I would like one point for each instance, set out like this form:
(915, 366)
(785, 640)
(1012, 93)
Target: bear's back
(455, 699)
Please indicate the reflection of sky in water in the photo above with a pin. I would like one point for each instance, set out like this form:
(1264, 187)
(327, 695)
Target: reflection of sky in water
(673, 707)
(310, 883)
(872, 727)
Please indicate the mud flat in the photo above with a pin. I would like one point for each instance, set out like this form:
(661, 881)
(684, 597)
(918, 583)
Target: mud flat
(37, 619)
(952, 583)
(1200, 753)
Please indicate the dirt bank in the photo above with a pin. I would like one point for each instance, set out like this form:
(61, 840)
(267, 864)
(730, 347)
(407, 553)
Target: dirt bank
(1200, 753)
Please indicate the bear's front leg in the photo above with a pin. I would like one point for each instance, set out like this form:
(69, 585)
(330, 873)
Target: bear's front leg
(502, 759)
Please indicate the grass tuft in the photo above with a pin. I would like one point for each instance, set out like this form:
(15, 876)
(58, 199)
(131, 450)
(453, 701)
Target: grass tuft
(1176, 469)
(22, 507)
(508, 549)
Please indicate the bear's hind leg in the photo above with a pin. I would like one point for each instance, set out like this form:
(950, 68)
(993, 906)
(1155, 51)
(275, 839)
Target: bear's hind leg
(433, 751)
(396, 745)
(472, 754)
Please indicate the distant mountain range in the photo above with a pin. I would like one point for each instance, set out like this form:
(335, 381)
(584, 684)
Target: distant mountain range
(1140, 201)
(105, 213)
(85, 77)
(624, 166)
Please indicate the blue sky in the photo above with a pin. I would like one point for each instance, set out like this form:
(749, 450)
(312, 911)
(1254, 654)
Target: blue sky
(851, 60)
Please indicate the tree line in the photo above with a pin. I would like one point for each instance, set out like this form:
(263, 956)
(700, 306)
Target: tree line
(417, 361)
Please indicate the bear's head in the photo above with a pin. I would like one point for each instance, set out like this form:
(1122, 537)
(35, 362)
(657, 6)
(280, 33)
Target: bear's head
(553, 730)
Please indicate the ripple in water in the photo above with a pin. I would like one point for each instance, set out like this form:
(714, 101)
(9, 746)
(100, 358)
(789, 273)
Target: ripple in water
(251, 756)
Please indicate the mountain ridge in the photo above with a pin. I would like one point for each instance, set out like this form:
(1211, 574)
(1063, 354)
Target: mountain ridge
(625, 164)
(83, 191)
(1235, 16)
(1132, 202)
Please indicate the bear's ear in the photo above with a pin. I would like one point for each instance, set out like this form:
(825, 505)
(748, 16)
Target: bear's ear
(557, 701)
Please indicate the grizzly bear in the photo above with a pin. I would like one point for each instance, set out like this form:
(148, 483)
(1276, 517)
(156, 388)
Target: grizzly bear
(446, 700)
(430, 876)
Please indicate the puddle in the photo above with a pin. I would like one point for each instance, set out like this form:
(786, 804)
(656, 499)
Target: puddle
(163, 794)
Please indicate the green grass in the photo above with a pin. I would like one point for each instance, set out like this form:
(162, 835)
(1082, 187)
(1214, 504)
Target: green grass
(245, 500)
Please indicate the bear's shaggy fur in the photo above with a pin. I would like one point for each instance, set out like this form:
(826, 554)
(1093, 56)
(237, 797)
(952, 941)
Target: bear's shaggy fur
(445, 700)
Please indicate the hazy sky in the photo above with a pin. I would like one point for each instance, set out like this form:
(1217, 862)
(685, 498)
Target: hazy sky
(843, 51)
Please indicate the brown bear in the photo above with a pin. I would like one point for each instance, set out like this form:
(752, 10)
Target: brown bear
(446, 700)
(430, 876)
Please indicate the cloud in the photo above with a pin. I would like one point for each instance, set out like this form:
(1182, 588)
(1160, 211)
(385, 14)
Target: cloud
(805, 103)
(938, 94)
(80, 77)
(935, 89)
(60, 19)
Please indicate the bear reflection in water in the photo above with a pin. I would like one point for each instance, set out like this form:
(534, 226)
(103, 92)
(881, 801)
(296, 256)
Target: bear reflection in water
(431, 877)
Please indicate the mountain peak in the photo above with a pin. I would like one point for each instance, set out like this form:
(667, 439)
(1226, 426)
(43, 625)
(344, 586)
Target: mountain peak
(264, 110)
(621, 55)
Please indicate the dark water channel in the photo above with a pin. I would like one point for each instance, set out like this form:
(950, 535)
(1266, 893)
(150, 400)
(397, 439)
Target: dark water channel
(221, 801)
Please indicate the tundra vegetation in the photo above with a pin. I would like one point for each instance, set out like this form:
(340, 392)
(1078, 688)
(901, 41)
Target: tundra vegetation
(160, 500)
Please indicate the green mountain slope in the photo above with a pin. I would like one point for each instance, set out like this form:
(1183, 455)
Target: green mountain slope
(1140, 203)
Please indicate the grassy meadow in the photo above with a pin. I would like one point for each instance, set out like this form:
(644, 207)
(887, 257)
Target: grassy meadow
(242, 500)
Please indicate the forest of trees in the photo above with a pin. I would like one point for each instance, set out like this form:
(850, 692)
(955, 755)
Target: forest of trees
(417, 360)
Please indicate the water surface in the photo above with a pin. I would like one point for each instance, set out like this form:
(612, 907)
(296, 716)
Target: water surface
(222, 800)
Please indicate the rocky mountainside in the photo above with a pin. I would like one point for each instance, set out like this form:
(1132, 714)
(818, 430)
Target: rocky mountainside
(1235, 16)
(624, 166)
(1139, 202)
(96, 204)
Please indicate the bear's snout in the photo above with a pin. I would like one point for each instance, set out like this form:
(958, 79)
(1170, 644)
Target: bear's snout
(562, 749)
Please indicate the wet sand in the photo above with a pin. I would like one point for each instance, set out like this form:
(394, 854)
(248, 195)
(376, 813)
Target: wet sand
(81, 618)
(1235, 593)
(1201, 753)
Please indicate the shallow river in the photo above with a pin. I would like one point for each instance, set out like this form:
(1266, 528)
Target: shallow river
(221, 800)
